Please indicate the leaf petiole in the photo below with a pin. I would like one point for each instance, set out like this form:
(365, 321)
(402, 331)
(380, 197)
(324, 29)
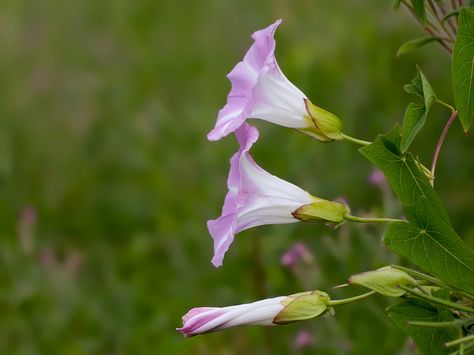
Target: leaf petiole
(460, 341)
(455, 323)
(433, 280)
(436, 300)
(445, 104)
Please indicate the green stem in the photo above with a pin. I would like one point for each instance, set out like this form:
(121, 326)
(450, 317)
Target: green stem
(370, 220)
(462, 349)
(433, 280)
(455, 323)
(441, 140)
(460, 341)
(437, 300)
(421, 275)
(445, 104)
(351, 299)
(355, 140)
(429, 27)
(434, 11)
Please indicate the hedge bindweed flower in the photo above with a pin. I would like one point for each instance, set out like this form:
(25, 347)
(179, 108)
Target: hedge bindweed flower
(271, 311)
(260, 90)
(257, 198)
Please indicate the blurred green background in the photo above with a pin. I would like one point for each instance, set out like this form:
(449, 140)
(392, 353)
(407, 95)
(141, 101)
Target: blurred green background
(107, 180)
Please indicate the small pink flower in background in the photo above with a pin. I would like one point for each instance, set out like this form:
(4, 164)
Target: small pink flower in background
(73, 262)
(298, 252)
(303, 339)
(47, 257)
(255, 197)
(28, 215)
(210, 319)
(25, 228)
(377, 178)
(260, 90)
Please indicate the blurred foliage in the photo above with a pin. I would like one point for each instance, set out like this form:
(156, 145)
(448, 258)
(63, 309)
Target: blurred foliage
(106, 178)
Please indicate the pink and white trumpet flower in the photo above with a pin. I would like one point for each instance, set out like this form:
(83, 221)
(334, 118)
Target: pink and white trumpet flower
(256, 197)
(260, 90)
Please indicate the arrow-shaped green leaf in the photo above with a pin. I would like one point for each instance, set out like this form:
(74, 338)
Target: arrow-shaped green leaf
(433, 245)
(414, 120)
(428, 240)
(402, 171)
(415, 116)
(414, 44)
(429, 341)
(462, 68)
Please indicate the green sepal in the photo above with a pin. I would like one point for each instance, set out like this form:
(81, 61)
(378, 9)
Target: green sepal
(325, 125)
(331, 213)
(312, 131)
(302, 306)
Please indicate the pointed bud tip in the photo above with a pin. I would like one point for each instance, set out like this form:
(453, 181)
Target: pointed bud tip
(182, 330)
(216, 263)
(212, 137)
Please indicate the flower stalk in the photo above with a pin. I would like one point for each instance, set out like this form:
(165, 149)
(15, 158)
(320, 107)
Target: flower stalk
(351, 299)
(370, 219)
(355, 140)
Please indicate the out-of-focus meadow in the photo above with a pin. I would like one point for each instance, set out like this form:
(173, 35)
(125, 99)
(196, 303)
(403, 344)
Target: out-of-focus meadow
(107, 179)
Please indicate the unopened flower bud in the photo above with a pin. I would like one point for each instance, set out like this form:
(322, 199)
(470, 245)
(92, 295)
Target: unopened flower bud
(385, 281)
(271, 311)
(210, 319)
(331, 213)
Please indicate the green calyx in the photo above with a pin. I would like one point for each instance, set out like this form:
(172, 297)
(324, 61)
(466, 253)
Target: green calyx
(386, 281)
(322, 125)
(302, 306)
(331, 213)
